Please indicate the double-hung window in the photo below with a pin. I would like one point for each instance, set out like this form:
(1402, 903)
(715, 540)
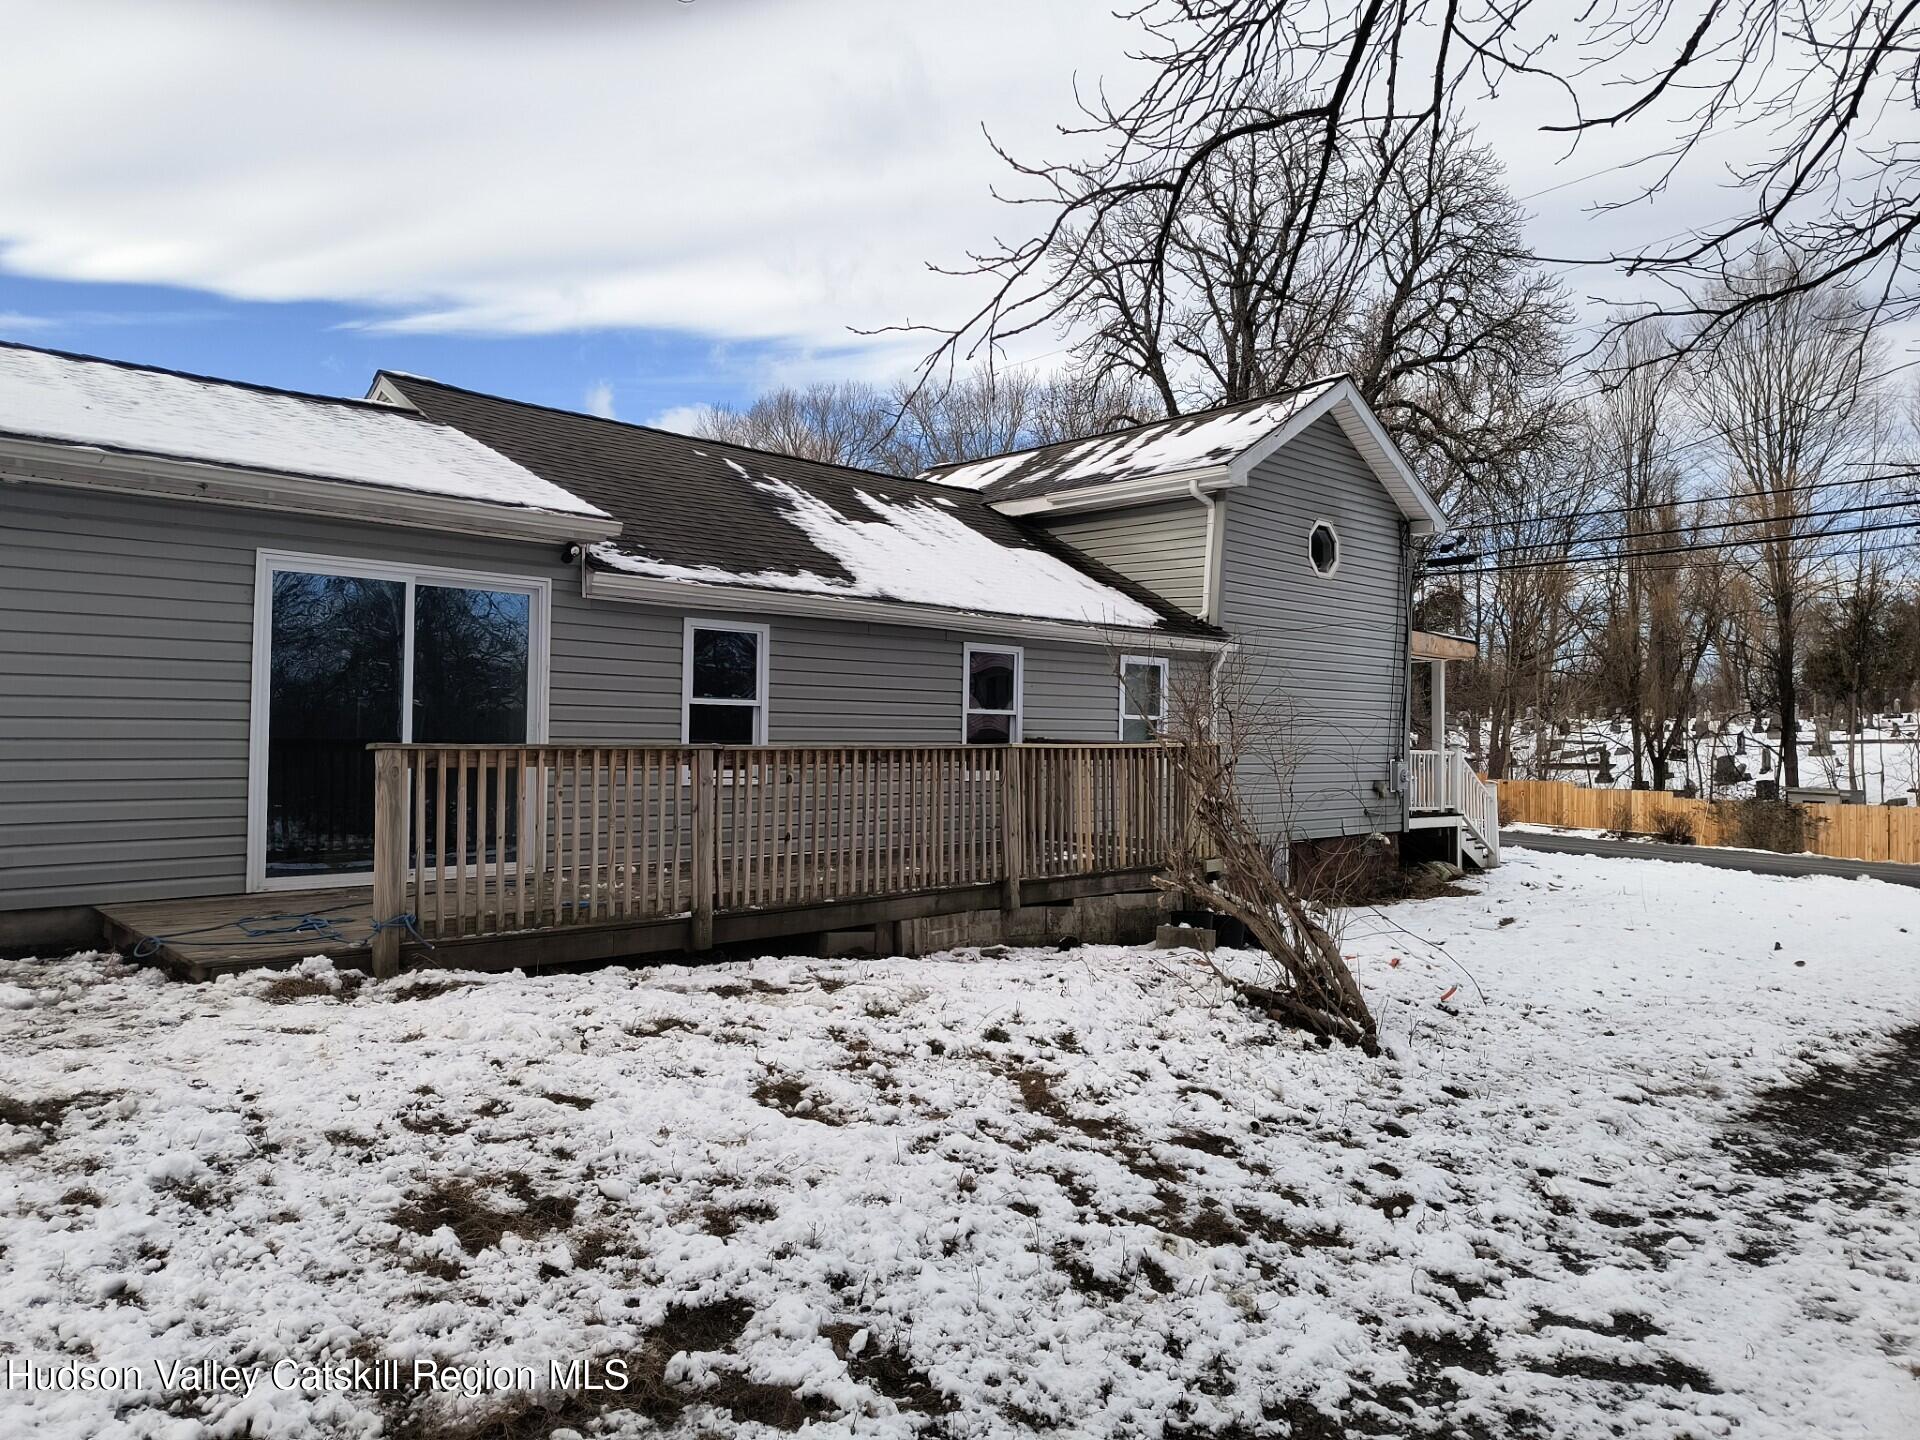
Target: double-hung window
(723, 698)
(1143, 697)
(991, 674)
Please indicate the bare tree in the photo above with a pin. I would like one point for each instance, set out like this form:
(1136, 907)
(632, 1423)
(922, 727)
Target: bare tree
(904, 430)
(1661, 596)
(1409, 275)
(845, 423)
(1524, 610)
(1819, 92)
(1787, 395)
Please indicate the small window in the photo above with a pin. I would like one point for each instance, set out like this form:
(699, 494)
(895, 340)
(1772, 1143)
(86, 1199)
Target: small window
(1323, 548)
(724, 700)
(1143, 698)
(992, 678)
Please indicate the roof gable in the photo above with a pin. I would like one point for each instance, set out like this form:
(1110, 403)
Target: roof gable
(1211, 449)
(1209, 438)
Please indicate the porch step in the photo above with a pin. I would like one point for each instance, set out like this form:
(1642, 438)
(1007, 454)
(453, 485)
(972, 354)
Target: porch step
(1473, 852)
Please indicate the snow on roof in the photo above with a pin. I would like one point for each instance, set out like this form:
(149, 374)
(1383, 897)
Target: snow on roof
(1187, 442)
(918, 552)
(78, 400)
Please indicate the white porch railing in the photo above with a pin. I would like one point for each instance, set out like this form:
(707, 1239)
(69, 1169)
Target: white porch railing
(1443, 782)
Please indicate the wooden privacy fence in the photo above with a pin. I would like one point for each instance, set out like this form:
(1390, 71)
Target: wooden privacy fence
(489, 840)
(1847, 832)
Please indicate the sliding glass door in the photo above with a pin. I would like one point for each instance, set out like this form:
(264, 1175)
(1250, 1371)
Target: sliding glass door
(350, 654)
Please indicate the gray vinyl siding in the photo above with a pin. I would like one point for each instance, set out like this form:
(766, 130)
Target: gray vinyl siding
(1163, 547)
(126, 637)
(1333, 648)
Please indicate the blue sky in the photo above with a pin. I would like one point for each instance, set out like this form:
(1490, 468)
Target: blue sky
(325, 347)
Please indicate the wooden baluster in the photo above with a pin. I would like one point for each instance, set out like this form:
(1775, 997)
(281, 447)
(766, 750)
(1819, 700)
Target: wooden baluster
(389, 858)
(593, 841)
(705, 839)
(417, 777)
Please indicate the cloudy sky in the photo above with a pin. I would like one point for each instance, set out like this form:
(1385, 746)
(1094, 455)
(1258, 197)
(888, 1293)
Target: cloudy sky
(633, 206)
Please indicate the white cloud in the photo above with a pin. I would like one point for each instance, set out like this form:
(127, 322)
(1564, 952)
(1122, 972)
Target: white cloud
(761, 170)
(12, 322)
(681, 419)
(743, 172)
(599, 400)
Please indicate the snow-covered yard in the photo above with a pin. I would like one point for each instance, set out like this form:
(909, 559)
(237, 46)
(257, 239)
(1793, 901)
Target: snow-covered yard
(1650, 1170)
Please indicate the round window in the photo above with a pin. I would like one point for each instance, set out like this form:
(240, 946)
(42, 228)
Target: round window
(1323, 548)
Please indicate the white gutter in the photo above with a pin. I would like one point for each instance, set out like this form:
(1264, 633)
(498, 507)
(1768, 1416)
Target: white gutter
(752, 600)
(92, 468)
(1172, 486)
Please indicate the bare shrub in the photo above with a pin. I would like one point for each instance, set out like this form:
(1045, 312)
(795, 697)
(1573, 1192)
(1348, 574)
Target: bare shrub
(1767, 825)
(1675, 830)
(1232, 865)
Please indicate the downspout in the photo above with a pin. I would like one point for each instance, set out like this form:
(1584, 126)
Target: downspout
(1402, 766)
(1208, 565)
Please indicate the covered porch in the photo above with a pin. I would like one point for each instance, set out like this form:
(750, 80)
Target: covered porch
(1443, 791)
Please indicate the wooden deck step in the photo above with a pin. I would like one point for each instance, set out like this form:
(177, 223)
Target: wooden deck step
(212, 933)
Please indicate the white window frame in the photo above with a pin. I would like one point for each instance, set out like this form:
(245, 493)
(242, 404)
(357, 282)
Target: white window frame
(1158, 662)
(266, 562)
(760, 705)
(1339, 549)
(967, 709)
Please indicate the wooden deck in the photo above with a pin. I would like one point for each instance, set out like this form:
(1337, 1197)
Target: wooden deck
(540, 855)
(198, 939)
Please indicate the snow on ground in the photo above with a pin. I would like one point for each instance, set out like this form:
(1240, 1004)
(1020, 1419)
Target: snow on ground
(1884, 763)
(1642, 1160)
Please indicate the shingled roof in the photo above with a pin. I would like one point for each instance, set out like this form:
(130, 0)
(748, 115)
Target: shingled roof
(82, 403)
(1161, 447)
(709, 513)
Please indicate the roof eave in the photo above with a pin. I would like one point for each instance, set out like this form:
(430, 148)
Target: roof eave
(655, 590)
(1116, 494)
(93, 468)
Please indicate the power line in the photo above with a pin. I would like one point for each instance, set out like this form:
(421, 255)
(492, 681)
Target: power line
(1464, 562)
(1601, 510)
(1911, 499)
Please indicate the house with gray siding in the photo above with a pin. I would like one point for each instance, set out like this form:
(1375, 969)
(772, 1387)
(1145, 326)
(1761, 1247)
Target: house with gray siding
(215, 597)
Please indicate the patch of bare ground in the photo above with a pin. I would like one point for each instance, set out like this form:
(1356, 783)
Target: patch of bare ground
(793, 1097)
(424, 987)
(291, 988)
(888, 1371)
(1040, 1098)
(655, 1026)
(708, 1327)
(725, 1220)
(1846, 1121)
(477, 1221)
(47, 1112)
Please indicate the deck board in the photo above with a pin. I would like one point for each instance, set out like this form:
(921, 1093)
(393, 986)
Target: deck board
(222, 932)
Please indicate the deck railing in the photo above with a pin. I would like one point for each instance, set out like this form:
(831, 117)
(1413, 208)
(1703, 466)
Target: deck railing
(488, 840)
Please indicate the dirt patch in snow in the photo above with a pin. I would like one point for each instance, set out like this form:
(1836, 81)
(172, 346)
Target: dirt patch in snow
(1842, 1124)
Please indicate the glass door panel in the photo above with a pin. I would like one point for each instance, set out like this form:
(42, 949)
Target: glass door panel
(471, 651)
(337, 669)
